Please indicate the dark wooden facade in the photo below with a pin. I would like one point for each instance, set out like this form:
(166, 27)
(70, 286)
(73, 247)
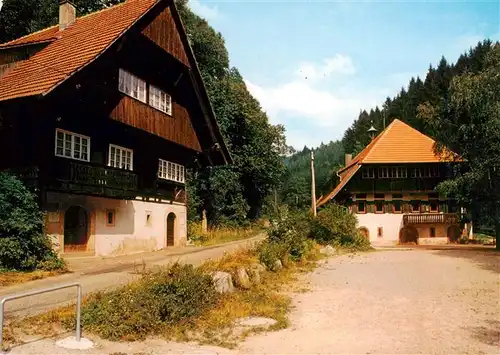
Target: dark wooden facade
(89, 103)
(398, 195)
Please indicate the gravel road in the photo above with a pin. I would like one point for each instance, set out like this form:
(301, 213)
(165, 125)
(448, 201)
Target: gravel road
(395, 302)
(385, 302)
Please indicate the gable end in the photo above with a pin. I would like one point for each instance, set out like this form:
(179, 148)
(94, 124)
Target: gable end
(163, 31)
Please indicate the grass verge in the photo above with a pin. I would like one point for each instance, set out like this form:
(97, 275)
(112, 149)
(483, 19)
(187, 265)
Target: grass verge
(8, 278)
(220, 235)
(215, 326)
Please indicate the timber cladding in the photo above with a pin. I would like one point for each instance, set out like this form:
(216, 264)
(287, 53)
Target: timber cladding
(176, 128)
(163, 31)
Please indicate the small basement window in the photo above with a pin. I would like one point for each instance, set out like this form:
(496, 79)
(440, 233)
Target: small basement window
(149, 218)
(110, 218)
(380, 232)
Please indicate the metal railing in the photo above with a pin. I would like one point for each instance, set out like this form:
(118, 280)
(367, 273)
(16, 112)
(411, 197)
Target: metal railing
(45, 290)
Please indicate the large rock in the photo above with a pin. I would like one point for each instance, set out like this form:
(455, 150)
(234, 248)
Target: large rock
(277, 265)
(328, 250)
(242, 279)
(223, 282)
(255, 271)
(259, 267)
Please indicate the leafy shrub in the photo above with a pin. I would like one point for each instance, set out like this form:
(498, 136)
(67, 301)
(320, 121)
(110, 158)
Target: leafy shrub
(270, 252)
(183, 292)
(178, 294)
(291, 230)
(335, 225)
(22, 243)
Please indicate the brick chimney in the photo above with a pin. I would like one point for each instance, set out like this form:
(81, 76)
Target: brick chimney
(67, 13)
(348, 159)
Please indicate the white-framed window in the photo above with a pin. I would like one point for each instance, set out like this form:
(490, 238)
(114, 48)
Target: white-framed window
(368, 173)
(399, 172)
(132, 85)
(71, 145)
(160, 100)
(384, 173)
(171, 171)
(120, 157)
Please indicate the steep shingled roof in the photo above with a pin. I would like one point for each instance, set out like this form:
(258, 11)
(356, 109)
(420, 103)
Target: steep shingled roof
(399, 143)
(69, 50)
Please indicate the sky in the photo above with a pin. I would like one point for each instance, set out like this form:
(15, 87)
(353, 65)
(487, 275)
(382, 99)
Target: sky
(313, 65)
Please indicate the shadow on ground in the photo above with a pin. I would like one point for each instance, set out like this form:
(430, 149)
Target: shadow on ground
(489, 334)
(486, 258)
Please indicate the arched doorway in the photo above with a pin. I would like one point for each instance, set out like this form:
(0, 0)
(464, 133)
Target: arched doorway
(170, 229)
(453, 234)
(408, 234)
(76, 229)
(364, 232)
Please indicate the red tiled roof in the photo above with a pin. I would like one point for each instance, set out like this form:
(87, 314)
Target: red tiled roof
(47, 34)
(71, 49)
(398, 143)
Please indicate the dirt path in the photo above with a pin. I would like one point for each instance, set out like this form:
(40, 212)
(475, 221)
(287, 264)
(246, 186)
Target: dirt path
(395, 302)
(106, 276)
(386, 302)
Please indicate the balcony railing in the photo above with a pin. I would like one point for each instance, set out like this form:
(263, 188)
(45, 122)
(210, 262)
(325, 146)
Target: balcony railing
(92, 179)
(430, 218)
(101, 177)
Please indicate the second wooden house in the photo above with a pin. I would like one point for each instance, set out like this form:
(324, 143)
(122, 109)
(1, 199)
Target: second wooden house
(391, 188)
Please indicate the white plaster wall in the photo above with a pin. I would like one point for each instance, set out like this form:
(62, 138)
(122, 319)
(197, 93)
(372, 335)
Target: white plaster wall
(130, 232)
(390, 222)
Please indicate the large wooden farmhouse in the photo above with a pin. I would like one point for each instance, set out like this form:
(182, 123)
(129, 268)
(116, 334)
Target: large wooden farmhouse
(391, 187)
(103, 114)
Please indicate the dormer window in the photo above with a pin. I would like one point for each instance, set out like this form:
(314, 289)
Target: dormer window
(132, 86)
(160, 100)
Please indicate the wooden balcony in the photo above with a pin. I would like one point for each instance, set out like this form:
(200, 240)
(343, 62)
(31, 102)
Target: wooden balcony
(430, 218)
(71, 176)
(93, 179)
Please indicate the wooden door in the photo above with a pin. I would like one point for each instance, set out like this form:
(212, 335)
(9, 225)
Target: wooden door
(170, 229)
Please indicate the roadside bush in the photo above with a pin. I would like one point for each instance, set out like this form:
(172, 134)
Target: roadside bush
(292, 231)
(336, 226)
(177, 294)
(269, 252)
(22, 243)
